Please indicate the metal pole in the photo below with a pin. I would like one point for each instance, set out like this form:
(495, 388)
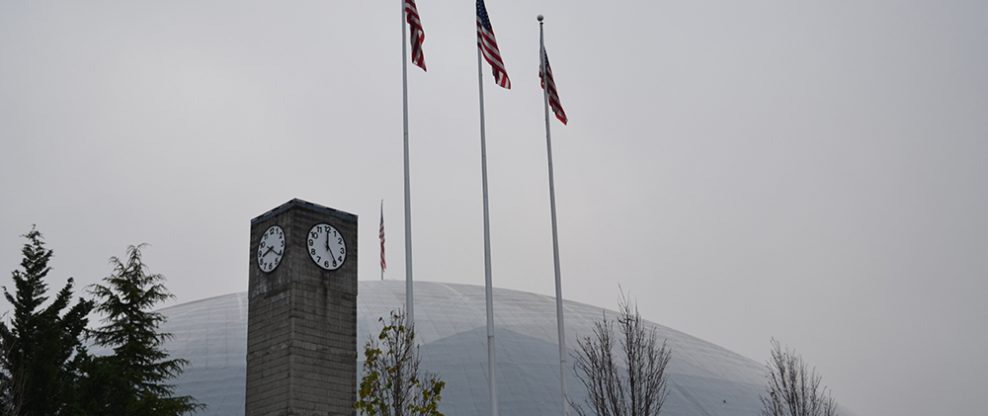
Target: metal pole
(409, 304)
(487, 242)
(555, 237)
(381, 232)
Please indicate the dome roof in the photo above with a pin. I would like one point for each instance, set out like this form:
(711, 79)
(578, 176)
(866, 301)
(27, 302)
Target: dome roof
(703, 379)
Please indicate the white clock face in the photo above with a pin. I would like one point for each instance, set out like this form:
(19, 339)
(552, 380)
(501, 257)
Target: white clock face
(271, 249)
(326, 246)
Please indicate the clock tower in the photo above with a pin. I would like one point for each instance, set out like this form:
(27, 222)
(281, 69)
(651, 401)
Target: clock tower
(302, 312)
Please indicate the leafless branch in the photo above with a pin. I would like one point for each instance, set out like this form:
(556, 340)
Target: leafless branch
(793, 388)
(636, 386)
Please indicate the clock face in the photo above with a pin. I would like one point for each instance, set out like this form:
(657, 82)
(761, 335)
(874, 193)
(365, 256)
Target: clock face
(326, 246)
(271, 249)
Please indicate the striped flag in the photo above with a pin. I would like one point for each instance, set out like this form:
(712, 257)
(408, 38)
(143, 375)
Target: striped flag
(488, 46)
(384, 263)
(546, 78)
(417, 34)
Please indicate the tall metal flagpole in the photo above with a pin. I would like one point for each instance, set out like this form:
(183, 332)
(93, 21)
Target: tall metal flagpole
(555, 237)
(381, 236)
(487, 243)
(409, 305)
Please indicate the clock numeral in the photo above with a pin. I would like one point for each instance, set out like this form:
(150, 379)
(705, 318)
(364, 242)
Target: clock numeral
(326, 263)
(312, 252)
(341, 258)
(311, 242)
(314, 234)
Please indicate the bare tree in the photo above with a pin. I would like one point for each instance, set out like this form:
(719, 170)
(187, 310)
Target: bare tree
(391, 384)
(633, 386)
(794, 388)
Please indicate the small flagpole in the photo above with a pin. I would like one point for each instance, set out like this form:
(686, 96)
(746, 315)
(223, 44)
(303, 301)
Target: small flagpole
(409, 304)
(555, 237)
(487, 243)
(381, 233)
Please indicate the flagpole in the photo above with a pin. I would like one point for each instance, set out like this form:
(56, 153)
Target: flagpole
(487, 243)
(381, 235)
(409, 305)
(555, 237)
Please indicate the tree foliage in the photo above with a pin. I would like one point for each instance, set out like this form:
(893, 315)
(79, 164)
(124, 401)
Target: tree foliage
(793, 388)
(391, 384)
(39, 343)
(134, 379)
(631, 384)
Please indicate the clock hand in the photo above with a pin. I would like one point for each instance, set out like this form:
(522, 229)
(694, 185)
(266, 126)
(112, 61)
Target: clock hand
(276, 252)
(270, 249)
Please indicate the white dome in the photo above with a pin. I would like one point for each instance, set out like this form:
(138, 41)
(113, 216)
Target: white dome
(703, 379)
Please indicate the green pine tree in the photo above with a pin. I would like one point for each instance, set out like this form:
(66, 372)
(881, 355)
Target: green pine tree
(139, 369)
(38, 345)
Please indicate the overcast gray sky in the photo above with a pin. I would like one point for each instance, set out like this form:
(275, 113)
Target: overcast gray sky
(810, 171)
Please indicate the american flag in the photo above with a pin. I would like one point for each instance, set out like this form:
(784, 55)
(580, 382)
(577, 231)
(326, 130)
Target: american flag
(546, 78)
(488, 46)
(384, 263)
(417, 34)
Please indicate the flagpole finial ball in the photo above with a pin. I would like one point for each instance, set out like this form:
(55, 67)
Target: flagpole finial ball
(541, 17)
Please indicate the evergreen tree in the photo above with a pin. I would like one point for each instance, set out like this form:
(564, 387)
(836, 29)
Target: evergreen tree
(38, 344)
(139, 369)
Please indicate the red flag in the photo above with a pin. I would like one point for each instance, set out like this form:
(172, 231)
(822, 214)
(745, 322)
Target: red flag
(417, 34)
(546, 78)
(488, 46)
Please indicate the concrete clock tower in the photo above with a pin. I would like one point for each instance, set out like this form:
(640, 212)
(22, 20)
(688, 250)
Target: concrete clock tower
(302, 312)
